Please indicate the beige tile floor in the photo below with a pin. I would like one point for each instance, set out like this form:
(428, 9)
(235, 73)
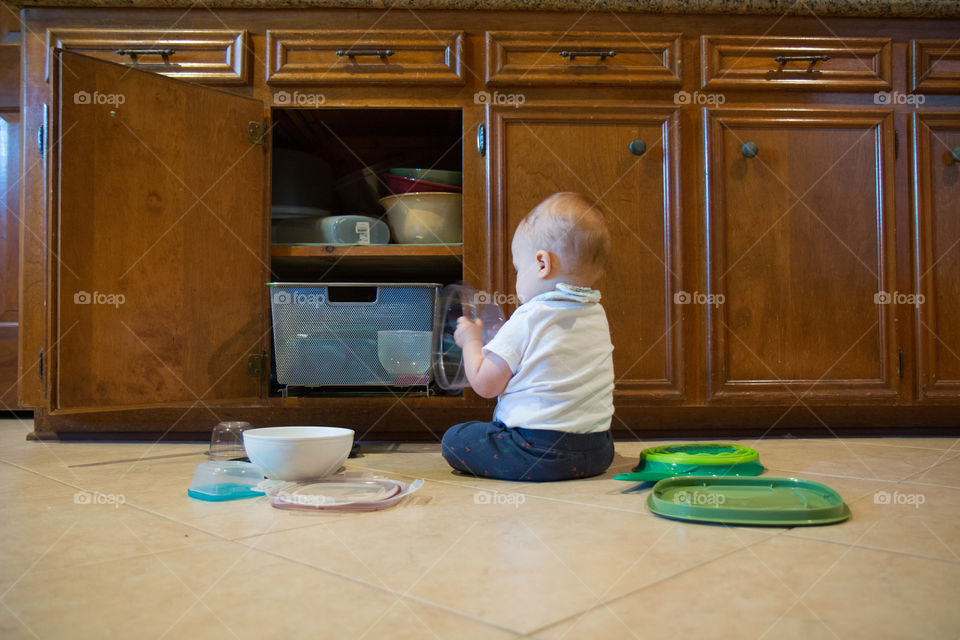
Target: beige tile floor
(580, 559)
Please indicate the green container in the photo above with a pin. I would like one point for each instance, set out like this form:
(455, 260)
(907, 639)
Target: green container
(694, 459)
(768, 501)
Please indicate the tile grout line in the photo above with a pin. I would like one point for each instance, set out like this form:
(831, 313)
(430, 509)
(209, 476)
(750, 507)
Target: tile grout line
(221, 538)
(908, 554)
(580, 614)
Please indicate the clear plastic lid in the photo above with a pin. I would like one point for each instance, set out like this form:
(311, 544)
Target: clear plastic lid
(458, 300)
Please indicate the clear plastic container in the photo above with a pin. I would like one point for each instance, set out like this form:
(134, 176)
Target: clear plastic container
(226, 441)
(348, 229)
(458, 300)
(221, 480)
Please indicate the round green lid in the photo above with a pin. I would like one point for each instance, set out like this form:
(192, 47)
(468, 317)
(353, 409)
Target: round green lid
(700, 453)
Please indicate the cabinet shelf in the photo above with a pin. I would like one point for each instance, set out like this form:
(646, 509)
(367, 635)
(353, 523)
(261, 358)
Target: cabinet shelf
(400, 260)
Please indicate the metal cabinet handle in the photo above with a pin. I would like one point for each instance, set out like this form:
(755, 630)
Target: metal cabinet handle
(637, 147)
(783, 60)
(955, 154)
(136, 53)
(353, 53)
(572, 55)
(749, 149)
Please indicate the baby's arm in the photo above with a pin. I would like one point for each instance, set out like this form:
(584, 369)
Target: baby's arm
(488, 375)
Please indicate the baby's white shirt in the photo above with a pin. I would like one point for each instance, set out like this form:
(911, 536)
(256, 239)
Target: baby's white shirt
(558, 348)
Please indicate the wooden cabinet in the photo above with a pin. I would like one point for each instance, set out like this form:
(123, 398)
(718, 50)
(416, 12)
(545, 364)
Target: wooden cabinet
(211, 56)
(807, 64)
(935, 159)
(150, 221)
(571, 58)
(801, 255)
(626, 159)
(756, 180)
(364, 57)
(9, 222)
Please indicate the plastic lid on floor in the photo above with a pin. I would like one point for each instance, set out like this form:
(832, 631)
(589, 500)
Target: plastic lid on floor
(458, 300)
(694, 459)
(781, 502)
(343, 493)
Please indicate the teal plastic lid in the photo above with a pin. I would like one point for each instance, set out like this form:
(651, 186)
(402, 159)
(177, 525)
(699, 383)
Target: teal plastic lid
(653, 471)
(769, 501)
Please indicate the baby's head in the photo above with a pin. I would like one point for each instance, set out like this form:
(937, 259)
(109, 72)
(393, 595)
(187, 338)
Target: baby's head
(564, 239)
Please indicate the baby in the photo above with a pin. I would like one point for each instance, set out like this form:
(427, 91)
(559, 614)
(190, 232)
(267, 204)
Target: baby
(551, 364)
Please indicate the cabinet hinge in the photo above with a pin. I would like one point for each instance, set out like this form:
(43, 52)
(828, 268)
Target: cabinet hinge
(482, 139)
(896, 145)
(900, 361)
(41, 141)
(40, 364)
(256, 132)
(255, 364)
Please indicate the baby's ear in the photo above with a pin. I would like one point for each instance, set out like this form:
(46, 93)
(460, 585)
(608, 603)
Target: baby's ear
(546, 263)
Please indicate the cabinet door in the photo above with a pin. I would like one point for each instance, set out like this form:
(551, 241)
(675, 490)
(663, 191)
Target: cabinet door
(160, 240)
(935, 155)
(800, 256)
(9, 255)
(538, 151)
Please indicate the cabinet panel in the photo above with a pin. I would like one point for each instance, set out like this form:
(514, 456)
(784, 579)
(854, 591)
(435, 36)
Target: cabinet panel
(811, 64)
(933, 66)
(539, 151)
(210, 56)
(9, 75)
(800, 255)
(9, 255)
(364, 57)
(935, 158)
(160, 271)
(582, 58)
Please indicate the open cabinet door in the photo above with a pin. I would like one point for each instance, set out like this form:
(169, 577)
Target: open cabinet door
(160, 239)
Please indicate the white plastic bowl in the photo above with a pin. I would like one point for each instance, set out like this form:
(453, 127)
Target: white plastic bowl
(425, 218)
(298, 453)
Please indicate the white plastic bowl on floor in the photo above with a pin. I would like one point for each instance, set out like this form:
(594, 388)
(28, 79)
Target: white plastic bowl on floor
(298, 453)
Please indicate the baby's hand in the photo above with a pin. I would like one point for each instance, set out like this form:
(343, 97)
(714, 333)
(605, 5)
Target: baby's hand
(467, 330)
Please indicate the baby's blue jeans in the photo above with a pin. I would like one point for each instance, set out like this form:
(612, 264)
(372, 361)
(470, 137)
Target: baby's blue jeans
(494, 450)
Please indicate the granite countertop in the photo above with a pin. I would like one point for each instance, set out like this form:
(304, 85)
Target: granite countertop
(878, 8)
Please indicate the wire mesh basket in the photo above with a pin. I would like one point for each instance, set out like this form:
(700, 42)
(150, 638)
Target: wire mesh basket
(353, 334)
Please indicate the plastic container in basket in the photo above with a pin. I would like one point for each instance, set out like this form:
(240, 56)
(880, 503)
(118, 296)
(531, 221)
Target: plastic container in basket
(353, 334)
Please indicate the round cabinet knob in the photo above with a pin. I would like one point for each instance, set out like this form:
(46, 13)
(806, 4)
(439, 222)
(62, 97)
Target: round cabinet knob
(637, 147)
(749, 149)
(955, 154)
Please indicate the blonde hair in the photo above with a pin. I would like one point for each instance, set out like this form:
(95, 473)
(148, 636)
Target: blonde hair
(571, 227)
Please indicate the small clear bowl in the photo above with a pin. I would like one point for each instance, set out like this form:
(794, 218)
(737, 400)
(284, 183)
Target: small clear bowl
(220, 480)
(226, 441)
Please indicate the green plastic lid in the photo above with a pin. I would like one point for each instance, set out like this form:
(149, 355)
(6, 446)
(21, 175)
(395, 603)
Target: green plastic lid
(700, 453)
(694, 459)
(782, 502)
